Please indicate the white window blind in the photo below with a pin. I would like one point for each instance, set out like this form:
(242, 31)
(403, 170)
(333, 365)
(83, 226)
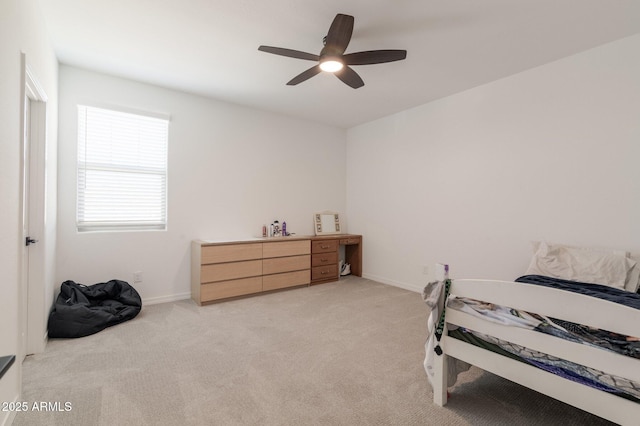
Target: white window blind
(122, 170)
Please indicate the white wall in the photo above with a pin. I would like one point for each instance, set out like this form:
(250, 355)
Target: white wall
(548, 154)
(22, 30)
(231, 170)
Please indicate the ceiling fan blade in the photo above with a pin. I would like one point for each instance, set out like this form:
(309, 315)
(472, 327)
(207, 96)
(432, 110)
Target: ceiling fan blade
(304, 76)
(374, 57)
(339, 34)
(350, 77)
(289, 53)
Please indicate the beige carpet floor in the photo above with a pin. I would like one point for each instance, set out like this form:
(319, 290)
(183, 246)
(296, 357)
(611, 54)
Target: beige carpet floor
(344, 353)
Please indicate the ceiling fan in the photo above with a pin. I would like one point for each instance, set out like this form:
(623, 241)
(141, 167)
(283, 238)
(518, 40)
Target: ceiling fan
(332, 58)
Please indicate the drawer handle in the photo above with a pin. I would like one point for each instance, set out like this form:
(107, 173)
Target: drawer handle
(325, 247)
(324, 260)
(323, 272)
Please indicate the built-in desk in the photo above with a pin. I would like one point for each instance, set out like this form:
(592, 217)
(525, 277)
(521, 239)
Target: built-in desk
(325, 256)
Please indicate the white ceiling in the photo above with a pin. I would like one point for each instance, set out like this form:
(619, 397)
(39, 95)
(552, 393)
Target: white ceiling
(210, 47)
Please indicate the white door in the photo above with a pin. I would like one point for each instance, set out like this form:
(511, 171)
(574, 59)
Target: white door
(24, 288)
(31, 310)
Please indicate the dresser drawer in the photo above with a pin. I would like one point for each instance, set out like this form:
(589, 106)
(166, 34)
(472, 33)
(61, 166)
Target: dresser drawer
(225, 289)
(288, 279)
(324, 272)
(230, 271)
(323, 259)
(286, 248)
(285, 264)
(324, 246)
(231, 253)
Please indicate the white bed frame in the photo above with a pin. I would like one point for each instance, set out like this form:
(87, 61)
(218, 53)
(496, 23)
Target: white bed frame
(554, 303)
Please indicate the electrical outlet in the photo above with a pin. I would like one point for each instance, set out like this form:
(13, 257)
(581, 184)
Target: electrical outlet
(425, 270)
(137, 277)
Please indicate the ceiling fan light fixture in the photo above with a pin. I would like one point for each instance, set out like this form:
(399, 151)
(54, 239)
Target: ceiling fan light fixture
(332, 58)
(331, 65)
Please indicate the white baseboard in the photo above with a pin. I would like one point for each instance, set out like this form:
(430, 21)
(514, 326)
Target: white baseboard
(9, 417)
(411, 287)
(165, 299)
(184, 296)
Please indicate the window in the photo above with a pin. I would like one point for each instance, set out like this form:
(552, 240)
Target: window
(122, 170)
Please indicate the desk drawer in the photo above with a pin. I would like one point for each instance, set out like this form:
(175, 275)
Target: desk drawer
(349, 241)
(324, 272)
(324, 246)
(323, 259)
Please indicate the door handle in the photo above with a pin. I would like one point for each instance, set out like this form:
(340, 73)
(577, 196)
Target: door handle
(28, 241)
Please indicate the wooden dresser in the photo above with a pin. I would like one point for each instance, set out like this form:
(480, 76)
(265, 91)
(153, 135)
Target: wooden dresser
(228, 269)
(221, 270)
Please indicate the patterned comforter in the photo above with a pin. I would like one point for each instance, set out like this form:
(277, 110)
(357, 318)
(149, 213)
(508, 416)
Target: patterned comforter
(625, 345)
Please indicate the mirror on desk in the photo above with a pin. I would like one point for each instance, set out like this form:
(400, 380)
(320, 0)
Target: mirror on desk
(326, 223)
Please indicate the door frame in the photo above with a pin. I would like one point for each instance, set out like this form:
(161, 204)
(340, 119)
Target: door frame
(32, 208)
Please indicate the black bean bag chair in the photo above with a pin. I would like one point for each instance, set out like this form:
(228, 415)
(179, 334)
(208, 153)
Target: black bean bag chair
(82, 310)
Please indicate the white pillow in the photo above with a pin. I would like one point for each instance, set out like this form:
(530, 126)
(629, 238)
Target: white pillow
(633, 279)
(583, 265)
